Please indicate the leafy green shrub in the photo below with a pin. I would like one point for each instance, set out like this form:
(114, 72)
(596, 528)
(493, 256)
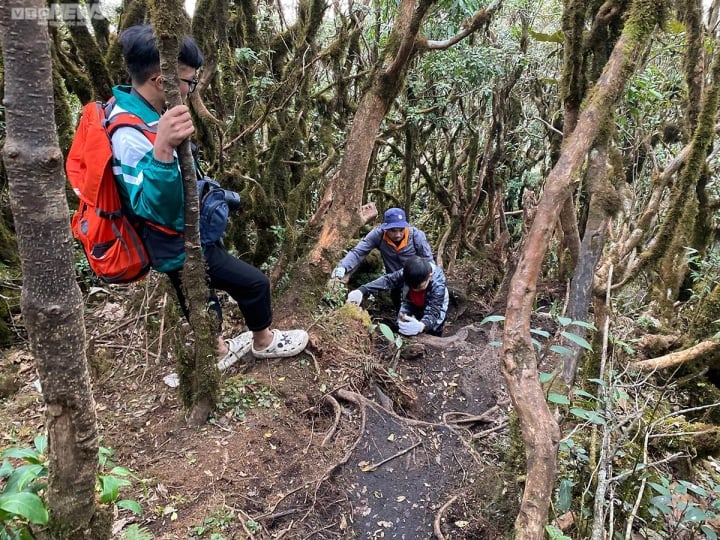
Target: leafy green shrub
(683, 509)
(21, 503)
(111, 478)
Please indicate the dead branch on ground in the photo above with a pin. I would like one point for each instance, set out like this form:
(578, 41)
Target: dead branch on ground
(374, 466)
(679, 357)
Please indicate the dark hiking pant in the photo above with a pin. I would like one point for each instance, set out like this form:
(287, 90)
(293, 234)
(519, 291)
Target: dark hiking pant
(245, 284)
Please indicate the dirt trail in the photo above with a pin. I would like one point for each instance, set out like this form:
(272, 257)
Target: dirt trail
(426, 461)
(334, 443)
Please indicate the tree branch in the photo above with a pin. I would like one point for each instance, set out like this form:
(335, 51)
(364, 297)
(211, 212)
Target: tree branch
(480, 18)
(679, 357)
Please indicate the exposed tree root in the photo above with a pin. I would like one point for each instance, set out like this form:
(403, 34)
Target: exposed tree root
(363, 402)
(385, 401)
(305, 509)
(438, 518)
(679, 357)
(465, 418)
(272, 514)
(442, 342)
(338, 410)
(481, 434)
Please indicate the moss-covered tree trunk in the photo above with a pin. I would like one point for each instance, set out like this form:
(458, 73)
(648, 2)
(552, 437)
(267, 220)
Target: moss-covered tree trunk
(677, 228)
(540, 431)
(87, 49)
(199, 383)
(51, 302)
(602, 206)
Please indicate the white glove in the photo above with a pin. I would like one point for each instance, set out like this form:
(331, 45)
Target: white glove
(355, 297)
(338, 273)
(410, 326)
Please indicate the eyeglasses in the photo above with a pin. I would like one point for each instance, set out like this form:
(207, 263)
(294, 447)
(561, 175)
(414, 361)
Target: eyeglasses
(192, 83)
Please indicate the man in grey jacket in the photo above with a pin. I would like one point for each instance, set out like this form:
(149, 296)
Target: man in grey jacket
(396, 240)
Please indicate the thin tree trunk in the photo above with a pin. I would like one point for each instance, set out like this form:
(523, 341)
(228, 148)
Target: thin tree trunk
(603, 203)
(573, 89)
(200, 383)
(540, 430)
(51, 301)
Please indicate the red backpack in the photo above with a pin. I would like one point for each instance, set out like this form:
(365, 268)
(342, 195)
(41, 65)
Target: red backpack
(111, 243)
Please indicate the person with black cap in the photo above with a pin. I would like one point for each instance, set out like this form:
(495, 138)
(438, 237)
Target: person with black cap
(425, 296)
(396, 240)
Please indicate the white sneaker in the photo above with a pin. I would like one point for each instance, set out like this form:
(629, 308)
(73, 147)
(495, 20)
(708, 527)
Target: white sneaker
(238, 347)
(285, 343)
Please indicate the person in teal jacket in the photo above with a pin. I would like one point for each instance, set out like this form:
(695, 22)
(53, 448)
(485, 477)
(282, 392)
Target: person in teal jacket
(151, 188)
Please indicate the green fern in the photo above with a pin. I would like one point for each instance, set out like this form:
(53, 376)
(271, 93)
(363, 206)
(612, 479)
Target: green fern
(136, 532)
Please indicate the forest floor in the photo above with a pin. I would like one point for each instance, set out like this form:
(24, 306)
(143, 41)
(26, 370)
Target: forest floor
(351, 439)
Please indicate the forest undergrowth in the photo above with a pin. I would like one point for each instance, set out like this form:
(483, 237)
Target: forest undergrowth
(368, 436)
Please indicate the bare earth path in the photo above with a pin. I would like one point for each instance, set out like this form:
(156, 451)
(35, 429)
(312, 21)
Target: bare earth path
(335, 443)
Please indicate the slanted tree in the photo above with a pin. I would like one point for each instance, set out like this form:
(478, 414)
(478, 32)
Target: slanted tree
(540, 430)
(51, 303)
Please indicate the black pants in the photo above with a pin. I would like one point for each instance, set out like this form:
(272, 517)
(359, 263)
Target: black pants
(396, 297)
(245, 284)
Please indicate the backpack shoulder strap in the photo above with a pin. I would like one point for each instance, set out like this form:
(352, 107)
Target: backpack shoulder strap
(125, 119)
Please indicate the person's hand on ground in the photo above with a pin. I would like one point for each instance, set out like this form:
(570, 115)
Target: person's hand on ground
(355, 297)
(410, 326)
(338, 273)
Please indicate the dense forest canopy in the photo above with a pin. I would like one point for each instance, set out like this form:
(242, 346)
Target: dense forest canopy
(564, 152)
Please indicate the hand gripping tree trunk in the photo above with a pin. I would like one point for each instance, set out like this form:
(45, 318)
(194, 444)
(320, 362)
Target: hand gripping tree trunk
(199, 381)
(51, 303)
(539, 428)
